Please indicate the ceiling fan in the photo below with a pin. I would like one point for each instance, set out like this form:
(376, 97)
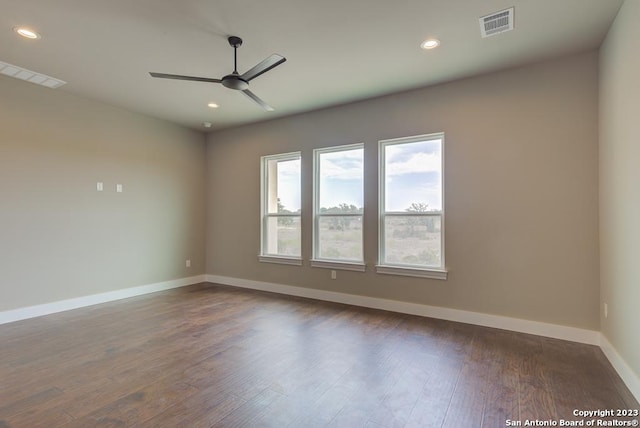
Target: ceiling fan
(236, 80)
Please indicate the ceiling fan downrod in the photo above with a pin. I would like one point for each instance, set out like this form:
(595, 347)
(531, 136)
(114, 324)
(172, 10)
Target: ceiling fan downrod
(235, 42)
(233, 80)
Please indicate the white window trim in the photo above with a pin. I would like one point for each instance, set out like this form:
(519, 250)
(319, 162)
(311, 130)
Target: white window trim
(339, 265)
(412, 271)
(293, 261)
(265, 215)
(332, 263)
(433, 272)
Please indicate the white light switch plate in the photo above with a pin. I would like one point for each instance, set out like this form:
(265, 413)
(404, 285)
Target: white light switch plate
(119, 188)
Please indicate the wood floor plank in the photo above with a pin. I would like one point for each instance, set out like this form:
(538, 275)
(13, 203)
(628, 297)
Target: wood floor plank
(210, 355)
(39, 419)
(502, 401)
(10, 408)
(327, 406)
(141, 405)
(467, 404)
(244, 415)
(434, 399)
(202, 410)
(534, 388)
(401, 398)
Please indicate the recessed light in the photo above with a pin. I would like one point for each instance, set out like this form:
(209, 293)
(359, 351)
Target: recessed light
(213, 105)
(26, 32)
(430, 44)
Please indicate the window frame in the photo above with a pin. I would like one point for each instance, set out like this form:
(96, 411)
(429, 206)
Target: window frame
(327, 263)
(265, 215)
(383, 267)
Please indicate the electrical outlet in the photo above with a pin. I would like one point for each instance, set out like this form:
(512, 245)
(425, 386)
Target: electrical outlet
(119, 188)
(99, 186)
(606, 310)
(333, 274)
(188, 263)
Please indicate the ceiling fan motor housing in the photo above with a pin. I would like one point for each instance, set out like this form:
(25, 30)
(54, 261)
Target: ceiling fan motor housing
(233, 81)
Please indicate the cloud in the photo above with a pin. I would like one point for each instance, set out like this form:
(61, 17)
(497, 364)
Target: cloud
(344, 165)
(416, 163)
(290, 168)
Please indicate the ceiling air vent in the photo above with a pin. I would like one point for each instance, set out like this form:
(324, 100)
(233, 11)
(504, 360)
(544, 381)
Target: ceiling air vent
(30, 76)
(496, 23)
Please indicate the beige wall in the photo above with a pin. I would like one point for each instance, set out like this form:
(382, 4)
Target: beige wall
(521, 192)
(620, 183)
(59, 237)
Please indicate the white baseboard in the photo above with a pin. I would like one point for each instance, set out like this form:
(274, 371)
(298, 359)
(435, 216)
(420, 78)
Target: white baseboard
(627, 374)
(573, 334)
(94, 299)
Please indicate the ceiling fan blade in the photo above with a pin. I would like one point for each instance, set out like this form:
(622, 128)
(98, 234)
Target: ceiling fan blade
(179, 77)
(255, 98)
(266, 65)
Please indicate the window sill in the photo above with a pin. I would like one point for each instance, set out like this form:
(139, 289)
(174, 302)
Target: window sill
(410, 271)
(354, 266)
(293, 261)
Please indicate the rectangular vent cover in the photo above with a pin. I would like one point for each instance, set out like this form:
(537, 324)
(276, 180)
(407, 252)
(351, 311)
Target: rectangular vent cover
(30, 76)
(496, 23)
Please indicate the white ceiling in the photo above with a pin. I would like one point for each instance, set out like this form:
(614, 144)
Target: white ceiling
(337, 51)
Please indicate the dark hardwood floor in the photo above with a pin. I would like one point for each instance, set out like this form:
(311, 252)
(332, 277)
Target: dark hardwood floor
(209, 355)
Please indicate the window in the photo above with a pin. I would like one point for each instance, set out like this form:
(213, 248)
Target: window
(281, 232)
(338, 207)
(411, 223)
